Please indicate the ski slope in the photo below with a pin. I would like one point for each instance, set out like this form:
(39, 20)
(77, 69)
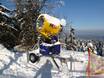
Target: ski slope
(15, 65)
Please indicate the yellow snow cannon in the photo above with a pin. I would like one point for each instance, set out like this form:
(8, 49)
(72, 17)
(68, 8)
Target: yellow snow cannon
(48, 26)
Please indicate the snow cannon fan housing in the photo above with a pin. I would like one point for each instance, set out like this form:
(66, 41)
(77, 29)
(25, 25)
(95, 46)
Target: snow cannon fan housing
(48, 26)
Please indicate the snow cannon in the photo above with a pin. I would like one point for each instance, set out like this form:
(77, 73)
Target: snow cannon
(48, 26)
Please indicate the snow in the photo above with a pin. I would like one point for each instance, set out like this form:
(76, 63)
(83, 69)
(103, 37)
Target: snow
(46, 44)
(16, 65)
(5, 7)
(63, 22)
(51, 19)
(6, 14)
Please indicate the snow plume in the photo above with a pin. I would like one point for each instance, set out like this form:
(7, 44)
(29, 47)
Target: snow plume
(63, 22)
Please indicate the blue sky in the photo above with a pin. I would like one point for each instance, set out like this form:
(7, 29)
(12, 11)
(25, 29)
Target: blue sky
(84, 14)
(8, 3)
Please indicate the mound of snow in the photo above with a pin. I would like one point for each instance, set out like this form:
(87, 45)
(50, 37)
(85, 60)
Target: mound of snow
(16, 64)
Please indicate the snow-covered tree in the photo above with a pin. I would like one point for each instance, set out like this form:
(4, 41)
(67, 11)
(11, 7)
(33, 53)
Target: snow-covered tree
(70, 40)
(27, 13)
(7, 28)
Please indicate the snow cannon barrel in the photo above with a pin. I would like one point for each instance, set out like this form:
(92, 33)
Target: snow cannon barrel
(48, 26)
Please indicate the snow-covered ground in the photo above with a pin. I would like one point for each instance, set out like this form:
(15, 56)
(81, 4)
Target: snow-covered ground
(15, 65)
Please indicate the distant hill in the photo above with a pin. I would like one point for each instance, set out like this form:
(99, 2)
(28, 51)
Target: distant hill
(88, 34)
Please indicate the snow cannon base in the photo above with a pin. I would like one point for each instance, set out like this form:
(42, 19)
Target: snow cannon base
(49, 49)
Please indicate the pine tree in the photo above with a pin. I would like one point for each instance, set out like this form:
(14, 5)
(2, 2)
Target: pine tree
(27, 12)
(70, 40)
